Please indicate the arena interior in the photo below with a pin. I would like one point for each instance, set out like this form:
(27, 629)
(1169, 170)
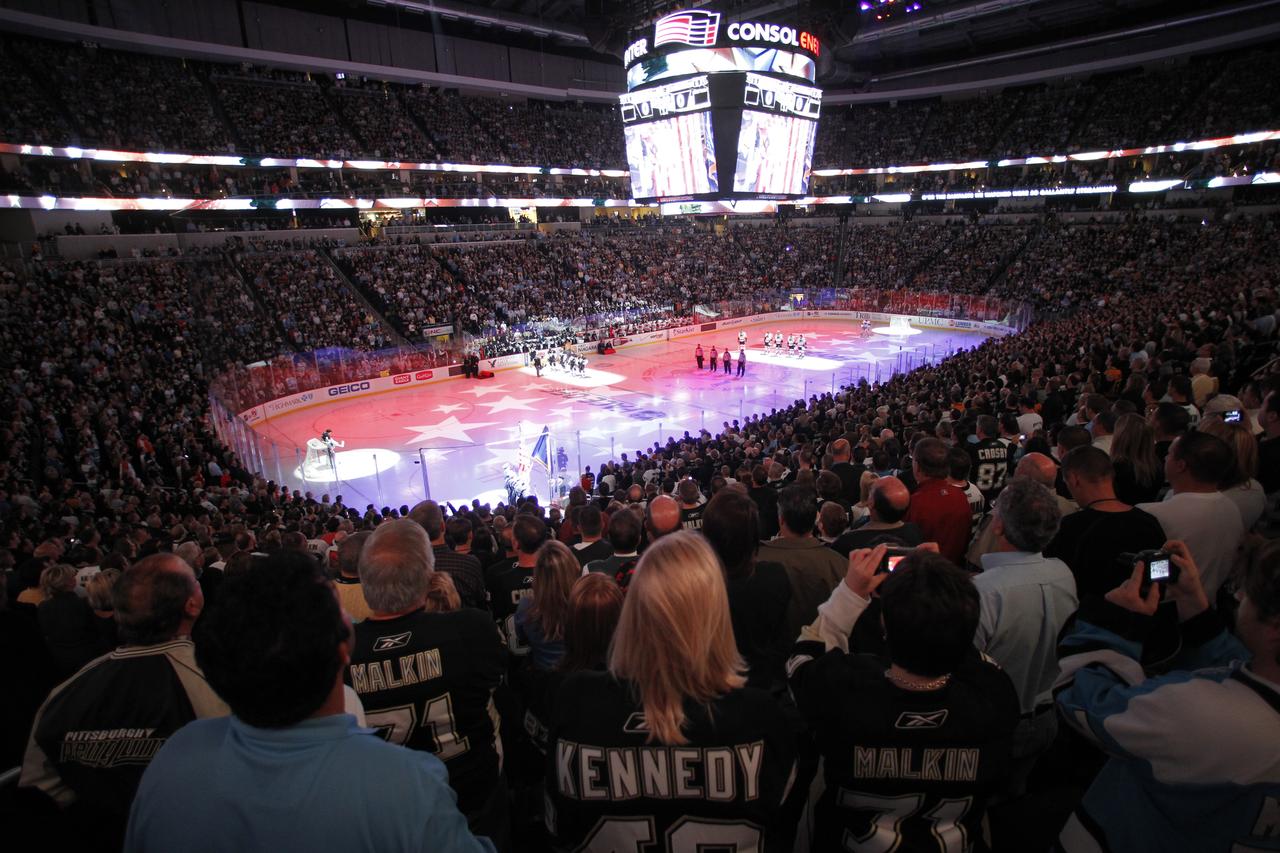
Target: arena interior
(640, 425)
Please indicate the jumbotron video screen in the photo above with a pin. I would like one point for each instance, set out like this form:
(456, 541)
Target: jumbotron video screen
(719, 111)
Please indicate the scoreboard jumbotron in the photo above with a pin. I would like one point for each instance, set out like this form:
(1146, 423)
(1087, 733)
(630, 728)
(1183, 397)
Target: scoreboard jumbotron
(717, 111)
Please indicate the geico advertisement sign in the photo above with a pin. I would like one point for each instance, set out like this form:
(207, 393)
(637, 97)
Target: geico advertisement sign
(775, 33)
(348, 389)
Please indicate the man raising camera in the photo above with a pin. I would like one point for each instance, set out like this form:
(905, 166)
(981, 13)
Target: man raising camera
(1194, 763)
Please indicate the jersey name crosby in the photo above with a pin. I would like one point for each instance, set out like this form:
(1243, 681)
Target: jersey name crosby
(718, 774)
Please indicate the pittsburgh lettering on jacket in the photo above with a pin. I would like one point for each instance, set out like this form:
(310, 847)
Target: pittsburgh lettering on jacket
(718, 774)
(110, 747)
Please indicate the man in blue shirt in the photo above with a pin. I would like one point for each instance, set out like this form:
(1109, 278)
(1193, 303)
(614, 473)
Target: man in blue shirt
(289, 770)
(1026, 599)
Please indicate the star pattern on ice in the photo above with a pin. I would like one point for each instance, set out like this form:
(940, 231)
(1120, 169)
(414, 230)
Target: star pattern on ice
(509, 403)
(482, 390)
(449, 428)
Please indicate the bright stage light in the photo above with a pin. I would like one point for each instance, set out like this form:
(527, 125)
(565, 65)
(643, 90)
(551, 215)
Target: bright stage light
(351, 465)
(898, 328)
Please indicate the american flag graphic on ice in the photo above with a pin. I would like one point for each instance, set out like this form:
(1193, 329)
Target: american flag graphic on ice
(696, 28)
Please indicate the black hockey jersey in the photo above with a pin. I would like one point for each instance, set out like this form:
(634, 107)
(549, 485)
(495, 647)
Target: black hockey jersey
(908, 771)
(691, 517)
(506, 586)
(97, 732)
(610, 789)
(426, 681)
(990, 468)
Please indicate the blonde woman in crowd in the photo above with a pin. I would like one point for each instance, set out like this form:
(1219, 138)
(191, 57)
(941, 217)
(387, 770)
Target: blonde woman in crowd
(673, 697)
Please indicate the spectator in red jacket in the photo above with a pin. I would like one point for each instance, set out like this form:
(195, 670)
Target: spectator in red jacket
(939, 509)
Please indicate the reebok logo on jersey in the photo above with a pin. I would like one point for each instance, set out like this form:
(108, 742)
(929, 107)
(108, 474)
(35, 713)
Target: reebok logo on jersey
(921, 720)
(395, 641)
(636, 724)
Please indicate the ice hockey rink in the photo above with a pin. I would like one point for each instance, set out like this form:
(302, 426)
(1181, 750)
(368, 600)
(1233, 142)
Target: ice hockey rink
(467, 433)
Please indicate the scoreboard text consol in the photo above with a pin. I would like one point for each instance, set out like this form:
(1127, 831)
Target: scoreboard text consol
(752, 31)
(720, 111)
(698, 29)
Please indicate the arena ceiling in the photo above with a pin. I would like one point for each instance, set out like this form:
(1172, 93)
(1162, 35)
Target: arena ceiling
(858, 46)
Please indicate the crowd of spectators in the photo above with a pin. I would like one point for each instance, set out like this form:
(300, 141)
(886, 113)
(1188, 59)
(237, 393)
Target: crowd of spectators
(1071, 265)
(1124, 114)
(308, 299)
(408, 285)
(284, 117)
(457, 135)
(95, 96)
(713, 605)
(973, 257)
(541, 133)
(26, 111)
(1044, 118)
(1021, 475)
(1240, 99)
(1204, 98)
(380, 119)
(603, 283)
(113, 99)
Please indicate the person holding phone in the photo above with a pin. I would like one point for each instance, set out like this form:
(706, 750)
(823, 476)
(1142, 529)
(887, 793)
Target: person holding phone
(1194, 764)
(914, 744)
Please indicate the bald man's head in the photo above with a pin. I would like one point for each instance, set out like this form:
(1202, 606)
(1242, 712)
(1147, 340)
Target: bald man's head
(840, 450)
(1038, 467)
(890, 500)
(157, 599)
(664, 516)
